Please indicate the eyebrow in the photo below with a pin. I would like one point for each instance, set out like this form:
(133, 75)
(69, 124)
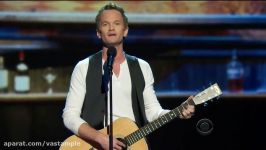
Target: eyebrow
(109, 22)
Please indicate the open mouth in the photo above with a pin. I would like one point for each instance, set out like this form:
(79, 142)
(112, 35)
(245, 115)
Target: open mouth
(112, 34)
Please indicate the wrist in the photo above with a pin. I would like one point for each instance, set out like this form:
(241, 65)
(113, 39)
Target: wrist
(98, 137)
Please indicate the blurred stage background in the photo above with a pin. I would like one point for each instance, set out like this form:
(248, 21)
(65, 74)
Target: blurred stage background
(189, 45)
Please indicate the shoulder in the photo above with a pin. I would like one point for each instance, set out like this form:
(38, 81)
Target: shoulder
(81, 67)
(83, 63)
(143, 63)
(146, 71)
(145, 68)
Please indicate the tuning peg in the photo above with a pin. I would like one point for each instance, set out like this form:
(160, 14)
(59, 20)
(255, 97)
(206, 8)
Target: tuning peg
(205, 104)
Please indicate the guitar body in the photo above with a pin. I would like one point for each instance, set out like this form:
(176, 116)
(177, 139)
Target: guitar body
(121, 128)
(124, 127)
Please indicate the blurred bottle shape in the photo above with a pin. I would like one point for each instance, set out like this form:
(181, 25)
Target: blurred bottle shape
(3, 76)
(235, 74)
(22, 79)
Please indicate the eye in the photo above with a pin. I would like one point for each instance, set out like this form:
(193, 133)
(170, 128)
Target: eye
(104, 24)
(117, 23)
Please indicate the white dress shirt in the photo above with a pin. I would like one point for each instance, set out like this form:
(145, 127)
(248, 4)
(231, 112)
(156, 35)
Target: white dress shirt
(122, 101)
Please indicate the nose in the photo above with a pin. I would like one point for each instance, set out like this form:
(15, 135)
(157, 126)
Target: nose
(111, 27)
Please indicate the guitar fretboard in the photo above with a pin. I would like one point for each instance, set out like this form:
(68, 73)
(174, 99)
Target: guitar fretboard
(149, 128)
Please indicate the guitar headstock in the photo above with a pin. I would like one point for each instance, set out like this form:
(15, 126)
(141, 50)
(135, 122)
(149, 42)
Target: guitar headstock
(207, 94)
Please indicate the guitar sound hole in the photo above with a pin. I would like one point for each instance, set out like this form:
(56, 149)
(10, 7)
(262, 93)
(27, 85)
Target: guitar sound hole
(123, 141)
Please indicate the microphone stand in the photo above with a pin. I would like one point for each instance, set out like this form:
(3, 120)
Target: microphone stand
(111, 53)
(110, 128)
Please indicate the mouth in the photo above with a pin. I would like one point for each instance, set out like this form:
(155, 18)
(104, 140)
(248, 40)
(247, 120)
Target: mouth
(111, 34)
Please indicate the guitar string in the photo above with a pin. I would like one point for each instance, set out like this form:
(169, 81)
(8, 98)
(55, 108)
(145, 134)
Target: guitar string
(135, 136)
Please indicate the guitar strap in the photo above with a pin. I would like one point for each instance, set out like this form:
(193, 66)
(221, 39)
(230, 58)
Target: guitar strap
(93, 109)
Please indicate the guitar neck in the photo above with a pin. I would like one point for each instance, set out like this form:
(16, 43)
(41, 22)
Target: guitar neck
(154, 125)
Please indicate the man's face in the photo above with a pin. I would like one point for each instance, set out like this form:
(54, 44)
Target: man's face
(111, 28)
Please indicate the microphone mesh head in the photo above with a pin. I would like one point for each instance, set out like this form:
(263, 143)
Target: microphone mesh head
(111, 51)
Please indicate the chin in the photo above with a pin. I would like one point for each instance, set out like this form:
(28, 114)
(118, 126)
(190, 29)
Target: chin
(112, 44)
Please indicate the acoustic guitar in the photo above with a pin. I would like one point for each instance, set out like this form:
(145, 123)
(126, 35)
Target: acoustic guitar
(128, 132)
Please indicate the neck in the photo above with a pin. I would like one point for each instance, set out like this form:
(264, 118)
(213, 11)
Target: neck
(120, 57)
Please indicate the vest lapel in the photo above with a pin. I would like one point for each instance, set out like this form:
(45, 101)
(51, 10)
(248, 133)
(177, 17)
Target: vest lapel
(94, 102)
(138, 84)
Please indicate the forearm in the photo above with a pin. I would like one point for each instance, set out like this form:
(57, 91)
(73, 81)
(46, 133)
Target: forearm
(91, 135)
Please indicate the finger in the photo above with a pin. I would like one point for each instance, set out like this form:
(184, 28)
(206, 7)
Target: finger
(187, 114)
(190, 109)
(184, 114)
(121, 143)
(187, 111)
(190, 112)
(116, 146)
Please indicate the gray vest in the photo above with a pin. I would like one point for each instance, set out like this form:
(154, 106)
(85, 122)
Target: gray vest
(94, 105)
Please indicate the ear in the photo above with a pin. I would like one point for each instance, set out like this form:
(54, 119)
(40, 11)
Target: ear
(126, 32)
(98, 34)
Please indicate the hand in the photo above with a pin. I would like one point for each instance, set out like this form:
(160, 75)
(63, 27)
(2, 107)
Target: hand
(103, 141)
(188, 110)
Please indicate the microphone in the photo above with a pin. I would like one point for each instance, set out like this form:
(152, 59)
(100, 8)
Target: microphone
(111, 53)
(108, 67)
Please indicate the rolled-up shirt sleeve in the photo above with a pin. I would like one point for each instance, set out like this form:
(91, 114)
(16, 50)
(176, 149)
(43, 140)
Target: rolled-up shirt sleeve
(75, 97)
(153, 108)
